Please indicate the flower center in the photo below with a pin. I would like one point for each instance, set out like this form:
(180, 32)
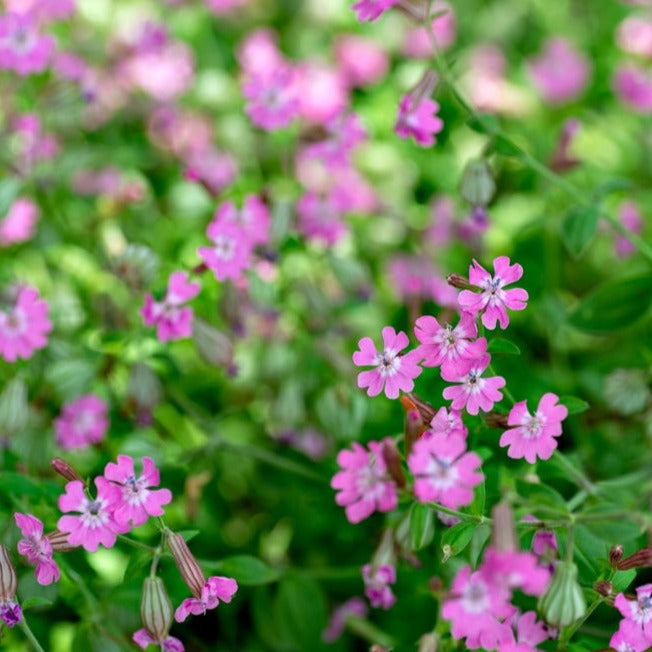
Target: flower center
(474, 598)
(388, 363)
(15, 323)
(224, 247)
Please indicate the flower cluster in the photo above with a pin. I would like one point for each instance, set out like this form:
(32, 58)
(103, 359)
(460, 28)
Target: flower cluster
(82, 422)
(635, 631)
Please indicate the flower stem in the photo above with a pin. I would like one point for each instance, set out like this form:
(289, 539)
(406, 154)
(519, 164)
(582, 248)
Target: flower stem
(472, 518)
(136, 544)
(29, 635)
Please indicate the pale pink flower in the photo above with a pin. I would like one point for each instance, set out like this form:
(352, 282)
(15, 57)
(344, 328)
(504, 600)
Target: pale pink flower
(95, 524)
(18, 225)
(376, 585)
(417, 44)
(440, 231)
(320, 218)
(444, 472)
(513, 569)
(230, 254)
(321, 92)
(136, 501)
(210, 167)
(448, 347)
(69, 66)
(560, 73)
(417, 277)
(494, 299)
(630, 217)
(639, 611)
(473, 391)
(32, 143)
(43, 10)
(363, 484)
(634, 35)
(447, 423)
(272, 102)
(354, 607)
(221, 7)
(215, 589)
(24, 328)
(361, 61)
(417, 118)
(372, 9)
(393, 372)
(172, 321)
(22, 48)
(534, 435)
(343, 134)
(630, 637)
(82, 422)
(37, 548)
(253, 218)
(633, 85)
(143, 639)
(529, 633)
(259, 54)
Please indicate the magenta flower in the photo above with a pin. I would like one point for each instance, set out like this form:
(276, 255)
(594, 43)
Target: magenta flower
(514, 569)
(449, 347)
(560, 73)
(136, 501)
(473, 392)
(320, 218)
(364, 484)
(629, 215)
(447, 423)
(494, 299)
(372, 9)
(230, 254)
(22, 48)
(215, 589)
(417, 118)
(393, 372)
(37, 548)
(24, 328)
(639, 611)
(354, 607)
(253, 218)
(44, 10)
(10, 612)
(443, 471)
(272, 102)
(633, 85)
(534, 435)
(171, 320)
(82, 422)
(18, 225)
(213, 169)
(95, 524)
(376, 585)
(143, 639)
(630, 637)
(362, 61)
(529, 633)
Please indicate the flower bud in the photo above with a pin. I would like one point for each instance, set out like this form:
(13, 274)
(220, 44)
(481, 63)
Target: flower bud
(8, 580)
(156, 608)
(393, 463)
(425, 86)
(414, 424)
(563, 602)
(65, 470)
(213, 345)
(429, 643)
(604, 588)
(59, 541)
(478, 185)
(503, 531)
(426, 410)
(640, 559)
(190, 570)
(495, 420)
(615, 555)
(460, 282)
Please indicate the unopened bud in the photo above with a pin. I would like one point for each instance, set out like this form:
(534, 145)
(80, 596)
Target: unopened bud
(425, 86)
(436, 584)
(495, 420)
(640, 559)
(503, 532)
(190, 570)
(59, 541)
(460, 282)
(429, 643)
(563, 602)
(214, 346)
(8, 580)
(156, 608)
(414, 424)
(604, 588)
(65, 470)
(426, 410)
(615, 555)
(393, 462)
(478, 185)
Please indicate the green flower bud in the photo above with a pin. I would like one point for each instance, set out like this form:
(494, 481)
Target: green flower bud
(478, 185)
(156, 608)
(190, 570)
(563, 603)
(626, 391)
(213, 345)
(8, 579)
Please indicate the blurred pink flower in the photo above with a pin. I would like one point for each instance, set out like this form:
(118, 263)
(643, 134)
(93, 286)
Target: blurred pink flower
(320, 218)
(230, 253)
(372, 9)
(22, 48)
(633, 85)
(144, 639)
(447, 422)
(82, 422)
(361, 61)
(19, 223)
(353, 607)
(417, 118)
(442, 211)
(37, 548)
(528, 633)
(271, 98)
(376, 585)
(634, 35)
(418, 45)
(215, 589)
(253, 218)
(258, 53)
(220, 7)
(321, 92)
(69, 66)
(213, 169)
(630, 217)
(43, 10)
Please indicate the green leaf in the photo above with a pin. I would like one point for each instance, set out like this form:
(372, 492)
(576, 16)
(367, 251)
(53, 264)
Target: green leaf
(600, 522)
(188, 535)
(484, 123)
(479, 538)
(573, 404)
(246, 570)
(422, 526)
(500, 345)
(615, 305)
(301, 610)
(506, 147)
(541, 495)
(479, 497)
(578, 228)
(456, 539)
(622, 579)
(35, 601)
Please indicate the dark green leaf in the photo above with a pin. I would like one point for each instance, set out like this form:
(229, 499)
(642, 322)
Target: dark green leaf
(622, 579)
(246, 570)
(35, 601)
(457, 538)
(301, 610)
(506, 147)
(484, 123)
(500, 345)
(573, 404)
(578, 228)
(422, 526)
(541, 495)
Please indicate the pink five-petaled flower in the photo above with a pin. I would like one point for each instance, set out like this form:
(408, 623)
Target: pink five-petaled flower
(393, 372)
(493, 299)
(136, 501)
(231, 250)
(272, 100)
(529, 633)
(376, 585)
(215, 589)
(447, 423)
(82, 422)
(22, 48)
(143, 639)
(443, 471)
(364, 483)
(372, 9)
(171, 320)
(639, 611)
(448, 346)
(513, 569)
(629, 638)
(18, 225)
(534, 434)
(95, 524)
(474, 392)
(253, 218)
(416, 117)
(24, 328)
(37, 548)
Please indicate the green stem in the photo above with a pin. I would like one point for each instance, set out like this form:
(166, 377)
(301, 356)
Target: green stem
(136, 544)
(569, 632)
(29, 635)
(472, 518)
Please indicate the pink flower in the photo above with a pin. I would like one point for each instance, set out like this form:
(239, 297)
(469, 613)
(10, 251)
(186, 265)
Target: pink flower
(362, 61)
(448, 347)
(221, 7)
(372, 9)
(230, 254)
(353, 607)
(493, 299)
(417, 44)
(343, 134)
(364, 484)
(24, 328)
(534, 435)
(10, 612)
(259, 54)
(171, 320)
(96, 524)
(447, 423)
(514, 569)
(440, 231)
(215, 589)
(376, 585)
(473, 392)
(529, 633)
(443, 471)
(272, 102)
(22, 48)
(633, 85)
(639, 611)
(629, 637)
(560, 73)
(211, 168)
(320, 218)
(37, 548)
(253, 218)
(44, 10)
(143, 639)
(630, 217)
(322, 93)
(136, 501)
(82, 422)
(417, 118)
(18, 225)
(634, 35)
(393, 372)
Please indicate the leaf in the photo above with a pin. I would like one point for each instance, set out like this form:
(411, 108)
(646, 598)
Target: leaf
(615, 305)
(188, 535)
(622, 579)
(35, 601)
(456, 539)
(484, 123)
(479, 497)
(422, 526)
(500, 345)
(599, 520)
(246, 570)
(506, 147)
(479, 538)
(541, 495)
(578, 228)
(573, 404)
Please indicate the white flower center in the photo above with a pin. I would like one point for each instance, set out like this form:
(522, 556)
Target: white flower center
(224, 247)
(475, 598)
(388, 363)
